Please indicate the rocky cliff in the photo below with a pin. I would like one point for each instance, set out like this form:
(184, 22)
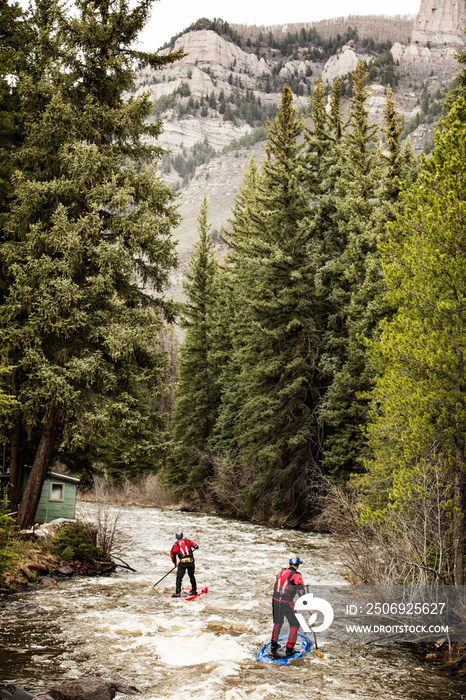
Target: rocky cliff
(217, 99)
(440, 22)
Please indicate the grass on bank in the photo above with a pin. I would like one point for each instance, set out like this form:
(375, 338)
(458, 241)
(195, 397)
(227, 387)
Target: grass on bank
(80, 542)
(147, 491)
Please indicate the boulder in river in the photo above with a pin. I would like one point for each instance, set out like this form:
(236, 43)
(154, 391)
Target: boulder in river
(40, 568)
(62, 572)
(90, 689)
(14, 692)
(82, 689)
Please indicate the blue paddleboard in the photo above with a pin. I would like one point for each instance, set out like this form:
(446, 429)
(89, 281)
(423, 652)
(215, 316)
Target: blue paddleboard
(302, 646)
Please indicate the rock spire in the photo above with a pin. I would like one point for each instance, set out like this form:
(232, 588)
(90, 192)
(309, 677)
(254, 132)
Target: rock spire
(440, 22)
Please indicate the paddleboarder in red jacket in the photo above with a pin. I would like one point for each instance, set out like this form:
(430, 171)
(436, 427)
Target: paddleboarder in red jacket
(183, 551)
(288, 583)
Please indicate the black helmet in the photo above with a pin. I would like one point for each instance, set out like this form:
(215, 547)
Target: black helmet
(179, 534)
(294, 560)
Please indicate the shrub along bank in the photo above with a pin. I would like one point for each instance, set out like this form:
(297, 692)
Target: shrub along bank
(29, 559)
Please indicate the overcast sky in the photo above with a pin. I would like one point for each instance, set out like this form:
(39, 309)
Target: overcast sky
(169, 17)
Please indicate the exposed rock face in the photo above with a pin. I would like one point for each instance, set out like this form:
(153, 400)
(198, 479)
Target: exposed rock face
(190, 130)
(215, 64)
(209, 63)
(206, 46)
(212, 64)
(340, 64)
(440, 22)
(434, 65)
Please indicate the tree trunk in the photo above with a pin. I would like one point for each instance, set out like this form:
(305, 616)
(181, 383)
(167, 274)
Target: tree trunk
(16, 468)
(459, 525)
(33, 490)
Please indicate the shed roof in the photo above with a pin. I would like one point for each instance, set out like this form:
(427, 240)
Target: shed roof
(64, 477)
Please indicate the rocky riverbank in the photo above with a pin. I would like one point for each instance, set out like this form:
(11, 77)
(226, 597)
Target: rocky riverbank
(46, 575)
(52, 553)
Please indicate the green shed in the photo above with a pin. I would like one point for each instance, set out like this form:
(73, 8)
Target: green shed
(58, 498)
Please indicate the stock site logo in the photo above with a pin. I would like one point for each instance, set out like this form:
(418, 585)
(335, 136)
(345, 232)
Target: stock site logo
(307, 603)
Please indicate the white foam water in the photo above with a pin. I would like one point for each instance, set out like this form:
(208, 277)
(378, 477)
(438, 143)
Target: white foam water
(205, 649)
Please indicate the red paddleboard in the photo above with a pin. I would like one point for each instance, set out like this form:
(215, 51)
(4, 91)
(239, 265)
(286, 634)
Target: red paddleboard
(185, 594)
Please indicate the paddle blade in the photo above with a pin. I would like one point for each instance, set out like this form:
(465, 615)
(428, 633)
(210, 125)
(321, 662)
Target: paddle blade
(319, 654)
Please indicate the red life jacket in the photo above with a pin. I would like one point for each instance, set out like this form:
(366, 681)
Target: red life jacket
(284, 589)
(185, 552)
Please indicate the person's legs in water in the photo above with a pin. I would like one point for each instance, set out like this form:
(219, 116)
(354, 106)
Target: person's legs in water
(277, 624)
(294, 627)
(179, 577)
(192, 579)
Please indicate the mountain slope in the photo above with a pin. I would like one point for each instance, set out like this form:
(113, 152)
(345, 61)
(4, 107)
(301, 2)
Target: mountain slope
(215, 102)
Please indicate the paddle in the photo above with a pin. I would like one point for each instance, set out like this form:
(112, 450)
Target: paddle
(161, 579)
(317, 648)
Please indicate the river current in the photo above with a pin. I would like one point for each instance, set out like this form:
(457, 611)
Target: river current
(113, 627)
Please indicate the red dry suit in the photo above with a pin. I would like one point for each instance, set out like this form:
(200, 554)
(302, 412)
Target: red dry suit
(183, 549)
(287, 584)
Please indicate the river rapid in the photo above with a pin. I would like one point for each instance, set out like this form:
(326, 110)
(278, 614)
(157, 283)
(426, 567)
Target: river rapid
(113, 627)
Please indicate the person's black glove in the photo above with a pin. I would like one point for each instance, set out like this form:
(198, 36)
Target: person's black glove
(196, 546)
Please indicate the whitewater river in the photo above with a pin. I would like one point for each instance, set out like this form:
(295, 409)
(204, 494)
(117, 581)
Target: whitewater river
(113, 627)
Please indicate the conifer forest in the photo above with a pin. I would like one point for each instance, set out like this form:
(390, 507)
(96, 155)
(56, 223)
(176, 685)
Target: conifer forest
(320, 376)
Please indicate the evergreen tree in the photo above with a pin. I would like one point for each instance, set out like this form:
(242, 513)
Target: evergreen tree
(335, 108)
(15, 43)
(324, 159)
(232, 309)
(87, 236)
(275, 429)
(458, 88)
(7, 401)
(419, 400)
(354, 285)
(195, 403)
(400, 164)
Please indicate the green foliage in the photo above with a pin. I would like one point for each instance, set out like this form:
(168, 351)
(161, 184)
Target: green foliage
(246, 141)
(7, 400)
(353, 283)
(195, 400)
(162, 104)
(87, 244)
(295, 305)
(274, 393)
(424, 266)
(15, 43)
(231, 322)
(431, 111)
(6, 530)
(382, 69)
(419, 399)
(185, 165)
(73, 544)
